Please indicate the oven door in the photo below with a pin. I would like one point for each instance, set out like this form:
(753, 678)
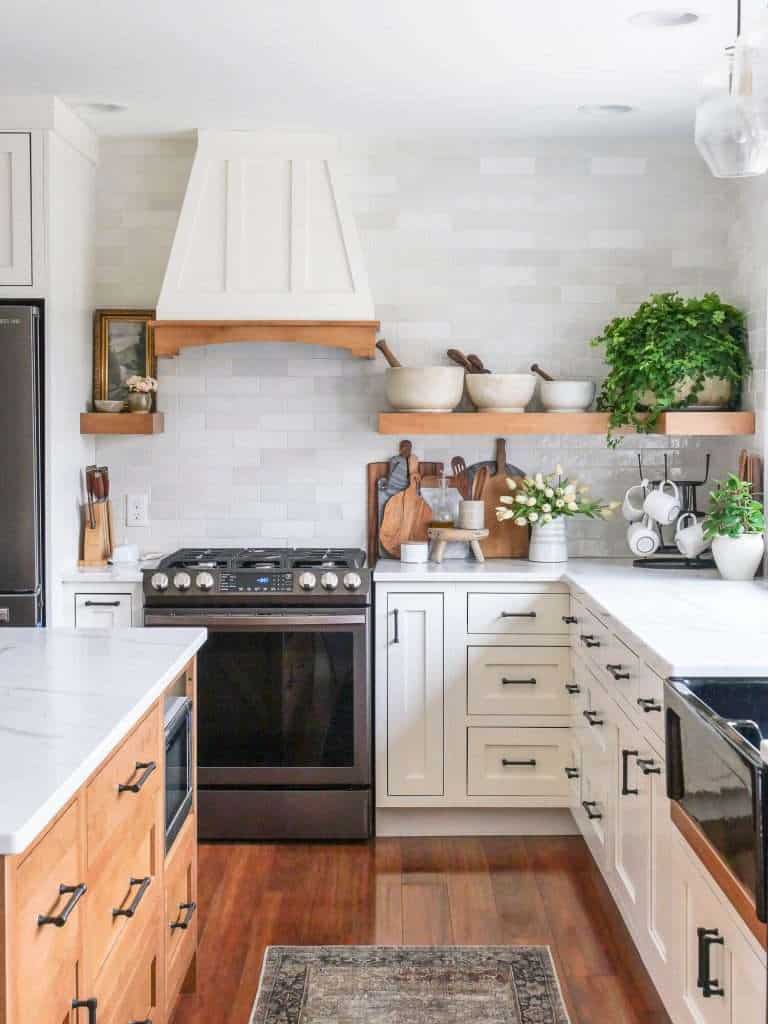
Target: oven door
(283, 696)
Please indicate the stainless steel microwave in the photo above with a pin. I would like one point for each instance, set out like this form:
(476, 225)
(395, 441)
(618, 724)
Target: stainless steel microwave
(179, 768)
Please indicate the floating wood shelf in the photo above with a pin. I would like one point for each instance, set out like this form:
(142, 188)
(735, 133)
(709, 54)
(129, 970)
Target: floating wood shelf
(122, 423)
(506, 424)
(357, 336)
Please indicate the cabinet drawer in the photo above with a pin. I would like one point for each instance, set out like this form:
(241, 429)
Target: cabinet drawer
(517, 680)
(109, 808)
(124, 893)
(518, 614)
(518, 762)
(102, 611)
(650, 700)
(594, 638)
(129, 990)
(180, 920)
(47, 954)
(621, 672)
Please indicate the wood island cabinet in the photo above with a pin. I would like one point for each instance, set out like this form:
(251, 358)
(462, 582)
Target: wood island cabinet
(97, 924)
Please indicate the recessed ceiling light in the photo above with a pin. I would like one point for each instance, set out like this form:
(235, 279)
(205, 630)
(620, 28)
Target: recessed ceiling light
(103, 108)
(663, 19)
(605, 108)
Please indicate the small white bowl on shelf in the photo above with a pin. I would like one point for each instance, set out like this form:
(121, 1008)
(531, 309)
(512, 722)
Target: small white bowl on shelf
(501, 392)
(567, 395)
(107, 405)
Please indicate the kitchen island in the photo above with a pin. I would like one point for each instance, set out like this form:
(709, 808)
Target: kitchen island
(86, 883)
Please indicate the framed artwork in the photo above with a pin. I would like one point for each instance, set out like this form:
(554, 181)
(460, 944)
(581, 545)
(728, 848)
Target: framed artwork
(123, 345)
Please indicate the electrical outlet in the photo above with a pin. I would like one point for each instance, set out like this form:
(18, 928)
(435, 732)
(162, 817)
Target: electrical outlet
(137, 510)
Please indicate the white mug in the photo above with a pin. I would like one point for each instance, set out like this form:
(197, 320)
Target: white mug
(631, 512)
(662, 506)
(643, 537)
(690, 538)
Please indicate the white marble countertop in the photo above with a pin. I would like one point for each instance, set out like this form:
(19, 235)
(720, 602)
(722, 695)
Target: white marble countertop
(67, 699)
(127, 572)
(695, 623)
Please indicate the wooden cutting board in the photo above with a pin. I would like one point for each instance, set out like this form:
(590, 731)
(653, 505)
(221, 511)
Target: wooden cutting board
(406, 515)
(504, 540)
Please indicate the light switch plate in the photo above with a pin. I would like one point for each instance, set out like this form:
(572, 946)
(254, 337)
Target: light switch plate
(137, 510)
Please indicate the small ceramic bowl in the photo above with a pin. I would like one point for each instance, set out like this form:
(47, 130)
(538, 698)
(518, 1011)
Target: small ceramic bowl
(424, 388)
(501, 392)
(104, 405)
(567, 395)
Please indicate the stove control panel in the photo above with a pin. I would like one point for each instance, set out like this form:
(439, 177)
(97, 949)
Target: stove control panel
(255, 583)
(234, 582)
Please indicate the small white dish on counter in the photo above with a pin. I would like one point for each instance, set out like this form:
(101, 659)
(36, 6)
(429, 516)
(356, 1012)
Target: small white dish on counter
(414, 552)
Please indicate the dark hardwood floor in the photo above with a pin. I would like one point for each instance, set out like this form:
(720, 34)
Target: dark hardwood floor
(471, 891)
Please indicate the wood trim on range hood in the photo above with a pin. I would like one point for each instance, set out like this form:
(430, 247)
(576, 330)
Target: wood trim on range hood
(357, 336)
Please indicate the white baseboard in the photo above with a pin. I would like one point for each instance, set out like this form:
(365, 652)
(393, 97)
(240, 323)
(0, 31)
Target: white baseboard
(455, 821)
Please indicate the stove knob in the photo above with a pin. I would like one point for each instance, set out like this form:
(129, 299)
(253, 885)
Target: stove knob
(204, 581)
(352, 581)
(329, 581)
(307, 581)
(159, 581)
(182, 581)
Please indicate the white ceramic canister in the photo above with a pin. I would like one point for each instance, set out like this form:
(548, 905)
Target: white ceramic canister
(472, 515)
(414, 552)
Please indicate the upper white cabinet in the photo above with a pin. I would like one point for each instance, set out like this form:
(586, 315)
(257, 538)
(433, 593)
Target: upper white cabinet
(15, 209)
(414, 640)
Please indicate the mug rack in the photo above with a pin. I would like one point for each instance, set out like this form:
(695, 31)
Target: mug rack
(668, 556)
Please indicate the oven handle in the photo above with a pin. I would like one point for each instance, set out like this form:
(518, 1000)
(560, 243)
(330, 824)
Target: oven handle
(253, 621)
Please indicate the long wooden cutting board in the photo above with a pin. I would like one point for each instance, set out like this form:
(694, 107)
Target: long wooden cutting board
(504, 540)
(406, 515)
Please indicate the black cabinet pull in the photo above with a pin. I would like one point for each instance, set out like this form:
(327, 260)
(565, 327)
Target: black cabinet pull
(129, 911)
(709, 986)
(147, 1020)
(189, 909)
(569, 620)
(396, 637)
(625, 789)
(102, 604)
(146, 767)
(588, 805)
(590, 717)
(572, 773)
(76, 893)
(648, 766)
(572, 688)
(518, 615)
(531, 763)
(616, 672)
(518, 682)
(648, 704)
(86, 1004)
(588, 640)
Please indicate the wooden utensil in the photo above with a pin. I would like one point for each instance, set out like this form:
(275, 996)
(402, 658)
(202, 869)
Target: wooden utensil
(505, 540)
(460, 478)
(406, 515)
(535, 368)
(377, 473)
(479, 482)
(476, 363)
(457, 356)
(387, 352)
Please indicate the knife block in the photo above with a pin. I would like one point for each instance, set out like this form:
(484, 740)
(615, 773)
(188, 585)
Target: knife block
(97, 540)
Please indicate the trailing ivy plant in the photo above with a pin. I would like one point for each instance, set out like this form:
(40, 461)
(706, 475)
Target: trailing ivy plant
(733, 510)
(667, 342)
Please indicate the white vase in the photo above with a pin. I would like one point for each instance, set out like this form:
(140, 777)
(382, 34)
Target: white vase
(549, 542)
(738, 558)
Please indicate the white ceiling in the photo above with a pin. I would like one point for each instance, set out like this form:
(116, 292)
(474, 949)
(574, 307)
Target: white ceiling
(370, 67)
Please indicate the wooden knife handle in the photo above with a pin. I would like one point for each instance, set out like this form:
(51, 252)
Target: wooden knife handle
(501, 455)
(387, 352)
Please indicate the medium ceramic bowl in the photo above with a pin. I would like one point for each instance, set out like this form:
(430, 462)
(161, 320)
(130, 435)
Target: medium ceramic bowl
(104, 405)
(567, 395)
(501, 392)
(424, 388)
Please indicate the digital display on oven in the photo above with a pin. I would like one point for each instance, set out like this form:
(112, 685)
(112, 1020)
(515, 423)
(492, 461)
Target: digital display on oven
(262, 579)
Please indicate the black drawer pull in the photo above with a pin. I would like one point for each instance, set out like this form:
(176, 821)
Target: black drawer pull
(625, 789)
(648, 766)
(569, 620)
(147, 767)
(147, 1020)
(518, 615)
(648, 704)
(588, 640)
(75, 892)
(530, 763)
(86, 1004)
(588, 805)
(572, 688)
(709, 986)
(102, 604)
(616, 672)
(143, 884)
(189, 909)
(590, 717)
(572, 773)
(396, 637)
(518, 682)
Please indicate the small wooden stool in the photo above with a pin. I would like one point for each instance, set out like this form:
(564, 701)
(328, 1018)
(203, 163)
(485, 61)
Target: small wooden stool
(442, 535)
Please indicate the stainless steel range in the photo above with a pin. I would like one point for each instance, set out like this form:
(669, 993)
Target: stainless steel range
(284, 687)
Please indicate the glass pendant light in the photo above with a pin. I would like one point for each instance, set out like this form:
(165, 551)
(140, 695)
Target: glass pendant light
(732, 124)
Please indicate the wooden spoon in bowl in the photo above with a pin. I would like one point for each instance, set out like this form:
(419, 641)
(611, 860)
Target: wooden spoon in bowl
(387, 352)
(542, 373)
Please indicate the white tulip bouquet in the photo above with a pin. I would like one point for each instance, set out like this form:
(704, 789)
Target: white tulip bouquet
(545, 497)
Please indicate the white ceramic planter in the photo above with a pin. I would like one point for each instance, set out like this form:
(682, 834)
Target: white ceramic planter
(738, 558)
(549, 542)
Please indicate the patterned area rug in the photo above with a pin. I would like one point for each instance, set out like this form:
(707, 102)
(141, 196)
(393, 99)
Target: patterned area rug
(408, 985)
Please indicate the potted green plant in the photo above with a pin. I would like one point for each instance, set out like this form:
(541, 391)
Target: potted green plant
(672, 353)
(735, 524)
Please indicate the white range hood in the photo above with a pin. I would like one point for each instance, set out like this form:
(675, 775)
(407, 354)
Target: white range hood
(265, 249)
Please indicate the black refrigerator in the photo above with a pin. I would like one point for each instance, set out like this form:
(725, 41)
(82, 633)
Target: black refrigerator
(22, 561)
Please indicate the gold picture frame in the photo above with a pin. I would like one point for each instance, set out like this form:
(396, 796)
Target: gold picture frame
(123, 345)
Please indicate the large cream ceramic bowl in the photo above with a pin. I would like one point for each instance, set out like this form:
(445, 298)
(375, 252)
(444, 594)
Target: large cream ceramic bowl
(501, 392)
(567, 395)
(424, 388)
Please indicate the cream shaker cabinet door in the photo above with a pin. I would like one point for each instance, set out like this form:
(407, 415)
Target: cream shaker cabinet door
(102, 611)
(15, 210)
(631, 818)
(414, 694)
